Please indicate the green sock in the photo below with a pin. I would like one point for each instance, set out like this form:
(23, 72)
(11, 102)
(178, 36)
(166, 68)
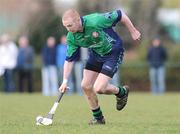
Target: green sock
(97, 113)
(121, 92)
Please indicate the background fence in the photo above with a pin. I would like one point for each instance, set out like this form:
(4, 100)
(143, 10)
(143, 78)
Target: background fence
(136, 76)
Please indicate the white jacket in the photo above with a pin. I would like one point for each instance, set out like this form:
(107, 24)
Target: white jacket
(8, 55)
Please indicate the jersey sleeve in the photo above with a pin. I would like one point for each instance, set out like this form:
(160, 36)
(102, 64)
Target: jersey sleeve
(109, 19)
(72, 49)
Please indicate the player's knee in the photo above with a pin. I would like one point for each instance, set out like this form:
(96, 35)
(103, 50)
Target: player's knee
(86, 86)
(98, 89)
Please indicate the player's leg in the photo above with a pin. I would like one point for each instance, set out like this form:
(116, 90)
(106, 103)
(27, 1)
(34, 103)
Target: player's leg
(87, 83)
(89, 78)
(102, 86)
(109, 68)
(90, 74)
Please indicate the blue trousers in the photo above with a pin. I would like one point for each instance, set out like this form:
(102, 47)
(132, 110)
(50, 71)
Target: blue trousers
(49, 80)
(157, 78)
(9, 85)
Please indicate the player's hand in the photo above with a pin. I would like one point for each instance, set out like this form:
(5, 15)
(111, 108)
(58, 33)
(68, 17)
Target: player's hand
(63, 87)
(136, 35)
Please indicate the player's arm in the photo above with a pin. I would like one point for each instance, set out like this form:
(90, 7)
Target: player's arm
(68, 65)
(72, 55)
(107, 20)
(135, 34)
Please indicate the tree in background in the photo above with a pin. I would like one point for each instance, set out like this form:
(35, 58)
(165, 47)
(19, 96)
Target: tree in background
(42, 23)
(144, 15)
(86, 7)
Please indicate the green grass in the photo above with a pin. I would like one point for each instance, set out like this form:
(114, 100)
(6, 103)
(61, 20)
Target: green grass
(144, 114)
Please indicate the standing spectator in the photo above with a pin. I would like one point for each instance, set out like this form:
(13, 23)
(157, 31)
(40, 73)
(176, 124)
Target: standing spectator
(77, 71)
(61, 56)
(49, 70)
(1, 57)
(156, 57)
(8, 60)
(25, 64)
(116, 78)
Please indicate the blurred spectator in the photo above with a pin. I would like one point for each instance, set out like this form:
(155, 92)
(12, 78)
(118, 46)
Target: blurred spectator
(8, 60)
(25, 64)
(49, 70)
(77, 71)
(116, 78)
(156, 57)
(61, 56)
(1, 57)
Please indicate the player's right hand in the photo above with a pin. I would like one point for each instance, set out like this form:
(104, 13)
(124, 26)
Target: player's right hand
(63, 87)
(136, 35)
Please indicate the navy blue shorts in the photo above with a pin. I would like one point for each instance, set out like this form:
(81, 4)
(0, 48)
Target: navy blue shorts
(107, 64)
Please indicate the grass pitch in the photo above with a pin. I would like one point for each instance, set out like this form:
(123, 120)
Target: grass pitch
(144, 114)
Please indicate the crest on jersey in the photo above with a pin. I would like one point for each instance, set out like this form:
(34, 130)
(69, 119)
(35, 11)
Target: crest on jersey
(95, 34)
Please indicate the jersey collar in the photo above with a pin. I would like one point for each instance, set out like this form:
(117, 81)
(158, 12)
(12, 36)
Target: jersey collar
(82, 22)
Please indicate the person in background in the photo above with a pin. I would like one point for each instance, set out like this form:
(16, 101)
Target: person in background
(8, 61)
(49, 70)
(1, 57)
(116, 78)
(25, 64)
(60, 59)
(156, 57)
(77, 71)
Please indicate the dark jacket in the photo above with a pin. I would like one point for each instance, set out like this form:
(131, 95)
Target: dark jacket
(49, 55)
(156, 56)
(25, 58)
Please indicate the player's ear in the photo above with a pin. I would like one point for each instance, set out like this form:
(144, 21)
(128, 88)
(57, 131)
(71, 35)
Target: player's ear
(62, 20)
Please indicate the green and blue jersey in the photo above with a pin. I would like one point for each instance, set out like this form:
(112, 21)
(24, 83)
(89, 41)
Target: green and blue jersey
(98, 34)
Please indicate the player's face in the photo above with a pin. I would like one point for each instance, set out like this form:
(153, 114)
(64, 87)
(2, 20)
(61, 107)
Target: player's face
(71, 25)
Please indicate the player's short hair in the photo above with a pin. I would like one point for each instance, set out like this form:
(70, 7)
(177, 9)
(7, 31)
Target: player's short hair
(71, 13)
